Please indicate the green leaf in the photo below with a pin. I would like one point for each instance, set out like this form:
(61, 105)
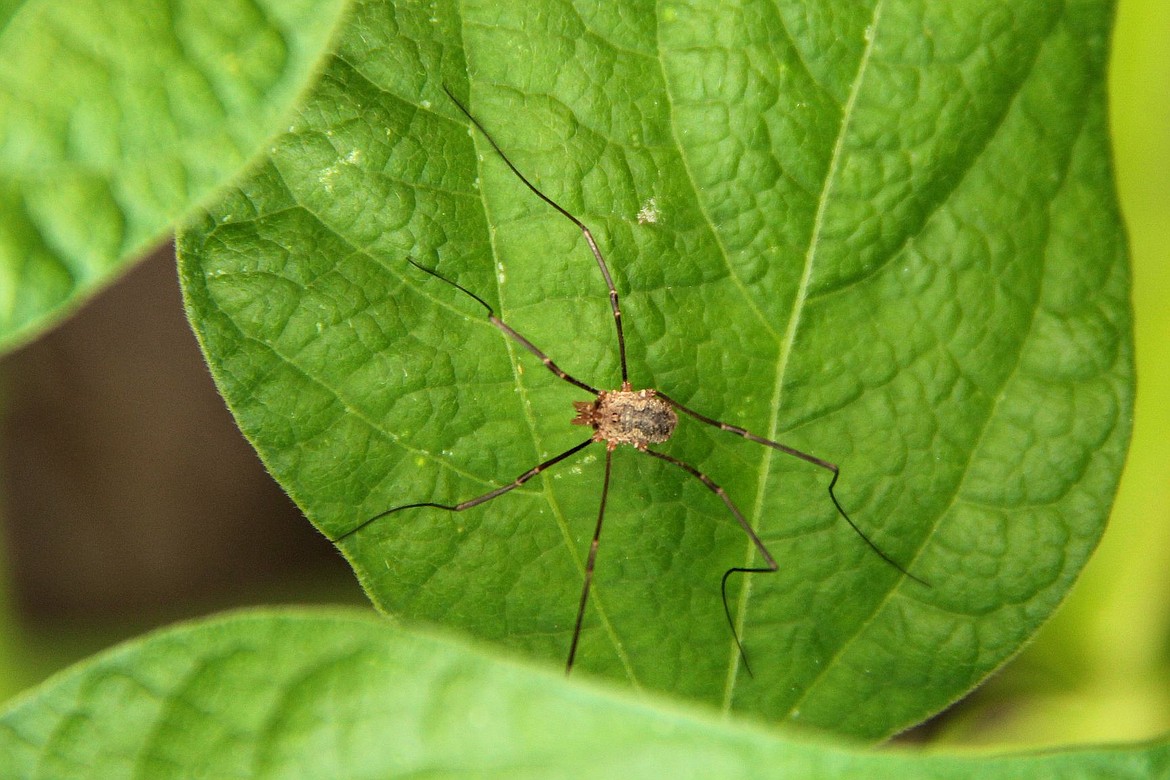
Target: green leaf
(334, 694)
(118, 116)
(883, 233)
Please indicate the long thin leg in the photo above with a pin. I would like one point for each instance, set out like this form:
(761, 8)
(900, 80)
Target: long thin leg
(468, 504)
(507, 330)
(589, 565)
(824, 464)
(613, 296)
(747, 529)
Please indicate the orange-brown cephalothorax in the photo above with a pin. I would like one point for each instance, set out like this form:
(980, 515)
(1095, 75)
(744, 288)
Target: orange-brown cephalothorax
(626, 416)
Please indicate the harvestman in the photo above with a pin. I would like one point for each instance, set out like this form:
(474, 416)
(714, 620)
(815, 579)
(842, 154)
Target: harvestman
(638, 418)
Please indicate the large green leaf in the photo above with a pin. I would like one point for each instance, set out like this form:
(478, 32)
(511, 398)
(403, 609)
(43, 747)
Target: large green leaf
(118, 116)
(333, 694)
(883, 232)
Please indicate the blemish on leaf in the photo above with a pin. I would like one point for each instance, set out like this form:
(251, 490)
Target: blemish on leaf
(649, 214)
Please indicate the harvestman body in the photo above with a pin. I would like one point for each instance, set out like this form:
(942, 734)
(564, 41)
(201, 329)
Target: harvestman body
(638, 418)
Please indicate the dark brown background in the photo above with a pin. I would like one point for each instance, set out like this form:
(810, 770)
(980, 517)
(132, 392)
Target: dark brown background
(130, 498)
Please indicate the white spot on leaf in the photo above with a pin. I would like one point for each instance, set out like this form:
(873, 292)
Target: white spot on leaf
(649, 213)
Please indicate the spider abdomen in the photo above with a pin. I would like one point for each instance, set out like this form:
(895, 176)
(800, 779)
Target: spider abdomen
(635, 417)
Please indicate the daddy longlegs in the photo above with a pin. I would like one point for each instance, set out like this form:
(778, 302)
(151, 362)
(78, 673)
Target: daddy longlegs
(637, 418)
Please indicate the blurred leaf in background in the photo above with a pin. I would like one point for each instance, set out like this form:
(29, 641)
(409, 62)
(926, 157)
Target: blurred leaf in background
(116, 118)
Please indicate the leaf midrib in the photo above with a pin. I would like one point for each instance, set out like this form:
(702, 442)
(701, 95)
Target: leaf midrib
(977, 441)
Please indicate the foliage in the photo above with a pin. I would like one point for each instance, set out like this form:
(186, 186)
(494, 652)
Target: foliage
(117, 118)
(899, 256)
(884, 233)
(304, 694)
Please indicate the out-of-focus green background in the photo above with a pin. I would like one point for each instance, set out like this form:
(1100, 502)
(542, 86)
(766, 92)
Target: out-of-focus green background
(109, 522)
